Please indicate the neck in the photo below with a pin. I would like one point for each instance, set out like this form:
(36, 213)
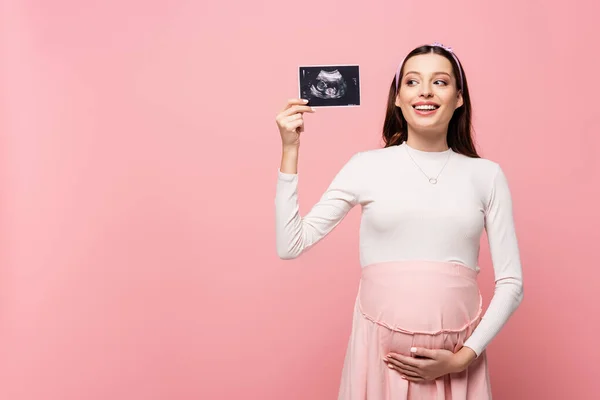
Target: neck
(433, 144)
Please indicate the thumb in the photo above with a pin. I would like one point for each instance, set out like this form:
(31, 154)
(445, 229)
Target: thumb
(421, 352)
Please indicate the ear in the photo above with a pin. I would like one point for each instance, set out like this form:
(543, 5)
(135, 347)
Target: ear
(398, 100)
(460, 101)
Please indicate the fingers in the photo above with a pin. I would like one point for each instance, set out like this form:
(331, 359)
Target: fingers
(423, 353)
(291, 122)
(292, 102)
(296, 109)
(410, 361)
(413, 379)
(400, 365)
(408, 367)
(293, 117)
(283, 120)
(294, 124)
(406, 373)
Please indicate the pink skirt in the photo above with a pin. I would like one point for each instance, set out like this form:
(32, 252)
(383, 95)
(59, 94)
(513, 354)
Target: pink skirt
(435, 305)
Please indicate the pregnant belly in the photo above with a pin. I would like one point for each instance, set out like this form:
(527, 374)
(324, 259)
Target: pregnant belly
(420, 297)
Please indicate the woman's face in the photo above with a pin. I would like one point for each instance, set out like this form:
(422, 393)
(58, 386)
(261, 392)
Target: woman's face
(428, 78)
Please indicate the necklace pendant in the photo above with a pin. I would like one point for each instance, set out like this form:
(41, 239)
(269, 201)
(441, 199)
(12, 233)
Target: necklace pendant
(433, 181)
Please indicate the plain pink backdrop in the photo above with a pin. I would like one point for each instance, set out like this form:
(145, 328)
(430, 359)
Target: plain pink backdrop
(139, 154)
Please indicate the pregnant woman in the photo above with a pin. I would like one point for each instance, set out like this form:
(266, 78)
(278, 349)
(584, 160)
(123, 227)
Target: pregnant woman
(418, 329)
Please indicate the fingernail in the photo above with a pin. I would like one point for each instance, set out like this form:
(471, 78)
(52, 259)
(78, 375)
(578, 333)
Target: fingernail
(413, 349)
(403, 377)
(390, 366)
(313, 109)
(304, 101)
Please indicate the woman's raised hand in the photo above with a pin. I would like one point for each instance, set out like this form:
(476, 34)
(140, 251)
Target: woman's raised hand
(290, 122)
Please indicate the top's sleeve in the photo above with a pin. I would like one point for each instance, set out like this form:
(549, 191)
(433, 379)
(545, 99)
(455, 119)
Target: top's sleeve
(504, 250)
(295, 233)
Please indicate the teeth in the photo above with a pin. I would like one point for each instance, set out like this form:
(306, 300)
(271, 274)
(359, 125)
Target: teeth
(426, 108)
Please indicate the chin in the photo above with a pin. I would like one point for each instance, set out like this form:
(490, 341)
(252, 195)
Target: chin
(425, 126)
(427, 129)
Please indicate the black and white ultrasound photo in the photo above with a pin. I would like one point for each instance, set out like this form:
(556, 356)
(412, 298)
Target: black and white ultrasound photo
(330, 85)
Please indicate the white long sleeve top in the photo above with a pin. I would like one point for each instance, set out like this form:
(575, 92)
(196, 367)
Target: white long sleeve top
(405, 217)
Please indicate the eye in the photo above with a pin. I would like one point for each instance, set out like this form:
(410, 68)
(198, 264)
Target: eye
(408, 82)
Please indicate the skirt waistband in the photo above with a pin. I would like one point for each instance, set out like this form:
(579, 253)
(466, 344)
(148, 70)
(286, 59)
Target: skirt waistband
(445, 267)
(428, 297)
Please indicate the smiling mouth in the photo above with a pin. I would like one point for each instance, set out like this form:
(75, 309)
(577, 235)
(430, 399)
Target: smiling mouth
(426, 108)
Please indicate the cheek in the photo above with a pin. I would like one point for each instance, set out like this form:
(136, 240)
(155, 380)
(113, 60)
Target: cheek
(407, 111)
(406, 107)
(449, 98)
(406, 95)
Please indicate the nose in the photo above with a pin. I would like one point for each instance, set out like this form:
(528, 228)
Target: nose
(425, 91)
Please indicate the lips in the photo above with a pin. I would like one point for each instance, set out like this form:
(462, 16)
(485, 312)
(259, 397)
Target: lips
(426, 106)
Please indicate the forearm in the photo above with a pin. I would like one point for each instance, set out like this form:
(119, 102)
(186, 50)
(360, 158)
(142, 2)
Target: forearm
(288, 222)
(507, 297)
(289, 160)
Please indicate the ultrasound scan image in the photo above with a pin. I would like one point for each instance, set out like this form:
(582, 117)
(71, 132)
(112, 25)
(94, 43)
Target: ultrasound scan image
(330, 86)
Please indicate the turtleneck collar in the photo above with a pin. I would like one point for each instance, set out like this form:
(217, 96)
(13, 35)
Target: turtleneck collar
(427, 155)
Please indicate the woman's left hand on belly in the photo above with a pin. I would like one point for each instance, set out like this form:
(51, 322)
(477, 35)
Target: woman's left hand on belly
(431, 365)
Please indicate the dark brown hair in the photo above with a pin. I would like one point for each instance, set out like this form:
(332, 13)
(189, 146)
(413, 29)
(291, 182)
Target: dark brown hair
(460, 130)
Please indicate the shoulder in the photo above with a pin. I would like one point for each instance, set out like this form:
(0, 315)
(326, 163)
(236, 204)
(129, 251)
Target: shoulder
(361, 166)
(484, 175)
(375, 156)
(484, 169)
(479, 163)
(370, 158)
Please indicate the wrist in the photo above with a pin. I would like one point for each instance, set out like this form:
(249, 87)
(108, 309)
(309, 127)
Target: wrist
(289, 160)
(463, 358)
(290, 149)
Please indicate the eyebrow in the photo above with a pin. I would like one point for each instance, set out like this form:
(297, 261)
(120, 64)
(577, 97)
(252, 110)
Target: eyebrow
(435, 73)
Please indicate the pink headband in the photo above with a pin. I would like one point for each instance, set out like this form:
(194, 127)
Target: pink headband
(449, 50)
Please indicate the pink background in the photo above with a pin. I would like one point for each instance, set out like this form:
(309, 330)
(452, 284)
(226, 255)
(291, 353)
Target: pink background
(138, 164)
